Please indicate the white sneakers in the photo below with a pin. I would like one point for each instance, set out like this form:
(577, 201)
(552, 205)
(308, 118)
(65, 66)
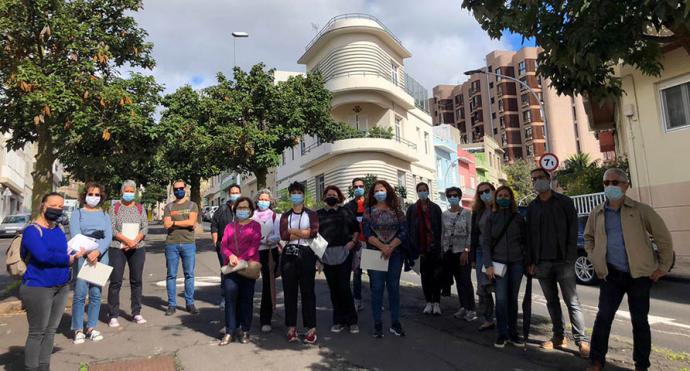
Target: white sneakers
(113, 323)
(437, 309)
(428, 308)
(337, 328)
(80, 337)
(470, 316)
(139, 319)
(266, 328)
(354, 329)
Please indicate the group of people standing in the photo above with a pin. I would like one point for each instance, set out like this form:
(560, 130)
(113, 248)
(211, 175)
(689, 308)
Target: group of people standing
(253, 241)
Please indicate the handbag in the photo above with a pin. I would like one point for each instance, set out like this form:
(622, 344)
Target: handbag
(248, 269)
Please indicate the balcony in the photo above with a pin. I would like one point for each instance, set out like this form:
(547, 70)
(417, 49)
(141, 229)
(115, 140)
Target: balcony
(331, 25)
(361, 80)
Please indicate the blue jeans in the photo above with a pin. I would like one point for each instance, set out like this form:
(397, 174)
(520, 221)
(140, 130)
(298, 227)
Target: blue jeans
(81, 288)
(507, 290)
(239, 302)
(391, 280)
(553, 275)
(173, 253)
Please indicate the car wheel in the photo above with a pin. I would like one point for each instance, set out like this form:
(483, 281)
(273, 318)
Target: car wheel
(584, 271)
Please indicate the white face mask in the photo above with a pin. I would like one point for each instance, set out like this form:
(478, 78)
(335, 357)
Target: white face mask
(93, 201)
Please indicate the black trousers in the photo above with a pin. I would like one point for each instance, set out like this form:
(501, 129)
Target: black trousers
(299, 272)
(135, 259)
(611, 293)
(431, 269)
(266, 311)
(221, 262)
(338, 278)
(463, 278)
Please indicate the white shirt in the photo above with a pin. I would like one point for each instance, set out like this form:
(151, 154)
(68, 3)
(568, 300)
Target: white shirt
(298, 221)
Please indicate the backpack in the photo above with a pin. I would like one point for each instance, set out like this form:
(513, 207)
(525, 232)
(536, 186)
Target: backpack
(116, 208)
(16, 266)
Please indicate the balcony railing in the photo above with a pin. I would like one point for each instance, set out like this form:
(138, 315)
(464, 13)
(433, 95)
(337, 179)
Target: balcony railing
(331, 23)
(367, 135)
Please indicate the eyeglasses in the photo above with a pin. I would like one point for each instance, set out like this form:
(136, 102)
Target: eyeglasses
(93, 194)
(488, 190)
(613, 182)
(359, 187)
(179, 189)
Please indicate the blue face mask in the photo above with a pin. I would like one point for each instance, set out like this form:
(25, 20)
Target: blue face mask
(243, 214)
(234, 197)
(454, 201)
(486, 197)
(614, 193)
(128, 196)
(263, 205)
(423, 195)
(179, 193)
(503, 202)
(380, 196)
(297, 198)
(359, 192)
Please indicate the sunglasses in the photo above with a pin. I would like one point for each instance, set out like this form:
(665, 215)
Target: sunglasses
(93, 194)
(359, 187)
(179, 189)
(613, 182)
(485, 191)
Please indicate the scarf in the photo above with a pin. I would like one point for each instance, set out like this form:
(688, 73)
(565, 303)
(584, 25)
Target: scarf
(263, 216)
(425, 235)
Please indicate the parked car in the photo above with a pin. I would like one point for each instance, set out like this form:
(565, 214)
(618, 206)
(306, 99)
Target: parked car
(204, 213)
(13, 224)
(584, 269)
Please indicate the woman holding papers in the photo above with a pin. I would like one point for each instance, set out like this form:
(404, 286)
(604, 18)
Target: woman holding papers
(240, 244)
(503, 261)
(45, 284)
(90, 221)
(385, 230)
(339, 227)
(130, 225)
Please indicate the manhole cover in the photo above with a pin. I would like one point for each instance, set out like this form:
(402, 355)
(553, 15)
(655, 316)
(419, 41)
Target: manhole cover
(163, 363)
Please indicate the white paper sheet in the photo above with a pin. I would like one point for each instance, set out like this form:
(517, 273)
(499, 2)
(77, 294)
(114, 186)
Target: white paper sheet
(371, 259)
(130, 230)
(80, 241)
(96, 274)
(227, 269)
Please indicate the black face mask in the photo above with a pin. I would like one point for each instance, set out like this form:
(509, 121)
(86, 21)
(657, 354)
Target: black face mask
(52, 214)
(331, 201)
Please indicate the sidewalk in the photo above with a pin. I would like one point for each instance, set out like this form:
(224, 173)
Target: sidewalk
(433, 343)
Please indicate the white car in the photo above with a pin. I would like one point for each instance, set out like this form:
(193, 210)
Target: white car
(13, 224)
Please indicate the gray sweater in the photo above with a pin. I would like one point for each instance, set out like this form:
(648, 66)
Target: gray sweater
(511, 246)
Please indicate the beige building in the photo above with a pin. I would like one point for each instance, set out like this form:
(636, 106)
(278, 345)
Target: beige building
(505, 110)
(488, 161)
(16, 181)
(362, 63)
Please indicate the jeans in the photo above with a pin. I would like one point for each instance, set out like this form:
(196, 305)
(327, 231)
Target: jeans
(507, 290)
(44, 308)
(463, 278)
(357, 284)
(81, 289)
(485, 304)
(239, 302)
(173, 253)
(611, 293)
(391, 281)
(553, 275)
(338, 278)
(266, 311)
(431, 270)
(298, 272)
(135, 259)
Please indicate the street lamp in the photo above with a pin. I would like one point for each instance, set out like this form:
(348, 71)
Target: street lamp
(235, 35)
(541, 104)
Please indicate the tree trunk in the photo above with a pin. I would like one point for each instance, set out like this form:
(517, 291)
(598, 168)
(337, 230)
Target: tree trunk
(260, 178)
(43, 170)
(195, 196)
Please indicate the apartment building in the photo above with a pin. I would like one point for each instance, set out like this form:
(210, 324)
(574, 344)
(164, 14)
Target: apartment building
(488, 160)
(489, 105)
(16, 181)
(362, 63)
(446, 139)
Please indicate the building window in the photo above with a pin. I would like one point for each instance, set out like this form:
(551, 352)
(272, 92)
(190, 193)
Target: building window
(398, 128)
(357, 121)
(530, 151)
(502, 122)
(493, 115)
(292, 150)
(528, 133)
(521, 68)
(302, 147)
(492, 100)
(500, 105)
(524, 98)
(498, 73)
(282, 157)
(527, 116)
(320, 182)
(458, 99)
(426, 142)
(525, 84)
(394, 72)
(499, 90)
(401, 178)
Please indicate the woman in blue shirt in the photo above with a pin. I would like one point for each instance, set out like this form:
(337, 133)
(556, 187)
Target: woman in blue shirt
(90, 221)
(45, 283)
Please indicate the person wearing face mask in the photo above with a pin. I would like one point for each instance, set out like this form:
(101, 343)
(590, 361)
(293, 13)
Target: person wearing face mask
(340, 228)
(481, 211)
(552, 250)
(356, 207)
(222, 217)
(504, 242)
(90, 221)
(424, 225)
(298, 264)
(617, 241)
(385, 230)
(45, 284)
(268, 254)
(125, 250)
(179, 218)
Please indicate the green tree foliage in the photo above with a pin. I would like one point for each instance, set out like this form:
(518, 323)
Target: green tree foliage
(152, 194)
(584, 40)
(59, 83)
(581, 176)
(520, 181)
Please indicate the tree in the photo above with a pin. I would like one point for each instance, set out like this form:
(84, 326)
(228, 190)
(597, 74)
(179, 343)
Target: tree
(520, 180)
(584, 40)
(576, 178)
(59, 83)
(152, 194)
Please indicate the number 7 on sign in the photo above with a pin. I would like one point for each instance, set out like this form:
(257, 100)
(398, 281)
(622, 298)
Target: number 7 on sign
(549, 162)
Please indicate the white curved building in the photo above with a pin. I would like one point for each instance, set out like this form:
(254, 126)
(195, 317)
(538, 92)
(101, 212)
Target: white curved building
(362, 65)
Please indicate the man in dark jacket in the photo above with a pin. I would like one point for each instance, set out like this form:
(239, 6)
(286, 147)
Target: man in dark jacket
(424, 222)
(221, 218)
(552, 241)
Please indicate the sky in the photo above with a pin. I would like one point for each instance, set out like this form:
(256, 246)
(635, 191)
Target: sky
(192, 38)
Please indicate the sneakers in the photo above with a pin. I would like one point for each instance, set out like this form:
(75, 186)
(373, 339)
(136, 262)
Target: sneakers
(113, 322)
(139, 319)
(397, 330)
(500, 342)
(354, 329)
(378, 330)
(436, 310)
(94, 335)
(584, 349)
(358, 305)
(170, 311)
(470, 316)
(337, 328)
(555, 343)
(428, 309)
(192, 309)
(227, 339)
(460, 313)
(516, 341)
(486, 325)
(79, 338)
(266, 328)
(310, 337)
(244, 339)
(292, 335)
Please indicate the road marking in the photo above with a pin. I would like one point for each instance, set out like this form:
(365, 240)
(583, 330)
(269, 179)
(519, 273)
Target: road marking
(204, 281)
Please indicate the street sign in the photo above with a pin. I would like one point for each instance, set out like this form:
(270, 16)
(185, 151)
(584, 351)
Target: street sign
(548, 162)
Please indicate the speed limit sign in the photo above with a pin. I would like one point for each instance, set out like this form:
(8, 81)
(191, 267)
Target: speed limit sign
(548, 162)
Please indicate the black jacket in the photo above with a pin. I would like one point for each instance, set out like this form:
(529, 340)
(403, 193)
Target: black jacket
(221, 218)
(337, 226)
(508, 248)
(475, 235)
(555, 222)
(436, 227)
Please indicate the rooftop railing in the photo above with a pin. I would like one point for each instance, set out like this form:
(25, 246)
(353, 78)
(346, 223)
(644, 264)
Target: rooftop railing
(364, 134)
(329, 26)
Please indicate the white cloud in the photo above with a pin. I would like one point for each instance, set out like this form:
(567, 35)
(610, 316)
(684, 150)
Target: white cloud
(193, 38)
